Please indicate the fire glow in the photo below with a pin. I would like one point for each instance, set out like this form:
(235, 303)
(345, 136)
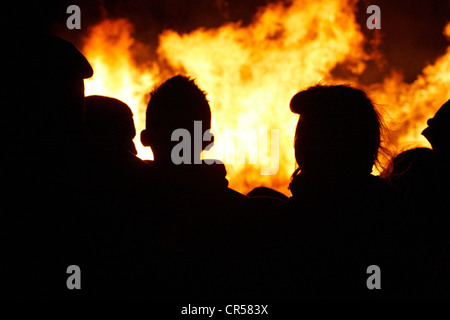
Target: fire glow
(251, 72)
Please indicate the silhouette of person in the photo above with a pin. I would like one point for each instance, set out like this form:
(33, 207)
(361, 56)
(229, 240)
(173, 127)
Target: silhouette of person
(115, 177)
(327, 234)
(336, 144)
(46, 165)
(413, 173)
(193, 197)
(438, 134)
(414, 176)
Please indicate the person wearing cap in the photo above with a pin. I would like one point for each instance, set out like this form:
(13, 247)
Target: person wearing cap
(44, 162)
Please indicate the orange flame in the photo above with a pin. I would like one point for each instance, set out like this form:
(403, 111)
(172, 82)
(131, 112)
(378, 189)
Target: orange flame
(250, 74)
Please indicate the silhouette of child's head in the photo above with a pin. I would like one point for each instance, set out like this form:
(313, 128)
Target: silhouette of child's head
(438, 130)
(110, 123)
(338, 130)
(175, 104)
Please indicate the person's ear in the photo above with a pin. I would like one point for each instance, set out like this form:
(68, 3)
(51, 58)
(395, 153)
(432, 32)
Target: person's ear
(145, 138)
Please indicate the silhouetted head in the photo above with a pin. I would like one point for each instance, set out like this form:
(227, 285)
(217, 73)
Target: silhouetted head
(110, 123)
(47, 118)
(338, 131)
(415, 167)
(438, 130)
(175, 104)
(54, 82)
(415, 176)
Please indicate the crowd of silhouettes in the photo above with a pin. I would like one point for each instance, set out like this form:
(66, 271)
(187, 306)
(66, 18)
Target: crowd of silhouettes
(77, 194)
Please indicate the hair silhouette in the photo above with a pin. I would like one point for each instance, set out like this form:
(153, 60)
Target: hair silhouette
(110, 123)
(414, 176)
(175, 104)
(411, 168)
(339, 130)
